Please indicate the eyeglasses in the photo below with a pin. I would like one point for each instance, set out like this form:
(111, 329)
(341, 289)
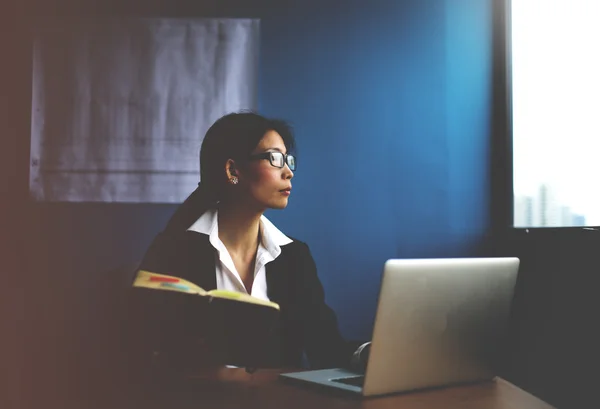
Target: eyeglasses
(277, 159)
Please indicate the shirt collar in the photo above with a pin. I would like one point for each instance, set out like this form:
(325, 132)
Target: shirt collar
(205, 223)
(272, 237)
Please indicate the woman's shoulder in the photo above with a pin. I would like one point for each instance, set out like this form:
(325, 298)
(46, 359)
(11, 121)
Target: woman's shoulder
(168, 235)
(295, 246)
(170, 241)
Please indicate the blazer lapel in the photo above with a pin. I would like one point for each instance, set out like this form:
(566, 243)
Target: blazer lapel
(200, 265)
(276, 274)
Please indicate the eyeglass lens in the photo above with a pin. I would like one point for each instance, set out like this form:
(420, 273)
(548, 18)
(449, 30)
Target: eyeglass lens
(277, 159)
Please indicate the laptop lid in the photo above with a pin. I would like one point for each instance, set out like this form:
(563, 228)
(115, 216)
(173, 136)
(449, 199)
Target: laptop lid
(439, 322)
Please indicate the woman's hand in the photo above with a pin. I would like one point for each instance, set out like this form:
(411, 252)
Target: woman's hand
(360, 358)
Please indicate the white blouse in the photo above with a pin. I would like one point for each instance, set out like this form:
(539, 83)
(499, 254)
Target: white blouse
(228, 278)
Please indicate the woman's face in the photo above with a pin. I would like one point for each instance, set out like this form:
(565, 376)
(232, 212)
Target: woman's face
(266, 185)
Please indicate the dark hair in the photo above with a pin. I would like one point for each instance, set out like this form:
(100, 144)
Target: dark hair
(233, 136)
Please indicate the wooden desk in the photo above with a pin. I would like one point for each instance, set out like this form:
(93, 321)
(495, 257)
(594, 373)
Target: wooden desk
(234, 388)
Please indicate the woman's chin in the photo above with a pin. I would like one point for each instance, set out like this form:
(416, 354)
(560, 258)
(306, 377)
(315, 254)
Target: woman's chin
(279, 204)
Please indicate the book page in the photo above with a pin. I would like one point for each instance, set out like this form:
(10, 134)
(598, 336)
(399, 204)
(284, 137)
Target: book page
(147, 279)
(237, 296)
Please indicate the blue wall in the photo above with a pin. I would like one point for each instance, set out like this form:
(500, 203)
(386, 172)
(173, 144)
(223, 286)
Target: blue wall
(391, 108)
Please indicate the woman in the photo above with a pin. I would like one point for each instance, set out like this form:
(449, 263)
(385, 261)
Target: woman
(219, 238)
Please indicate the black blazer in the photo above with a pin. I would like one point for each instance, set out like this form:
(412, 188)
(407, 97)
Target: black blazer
(306, 324)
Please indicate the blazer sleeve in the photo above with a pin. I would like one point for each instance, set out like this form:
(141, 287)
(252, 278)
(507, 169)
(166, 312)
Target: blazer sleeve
(323, 343)
(157, 327)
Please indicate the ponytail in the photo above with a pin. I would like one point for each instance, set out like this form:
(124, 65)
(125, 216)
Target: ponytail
(196, 204)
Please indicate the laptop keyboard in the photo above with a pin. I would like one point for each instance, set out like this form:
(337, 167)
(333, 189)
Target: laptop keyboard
(351, 380)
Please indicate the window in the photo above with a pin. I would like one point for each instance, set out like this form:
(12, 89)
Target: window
(556, 112)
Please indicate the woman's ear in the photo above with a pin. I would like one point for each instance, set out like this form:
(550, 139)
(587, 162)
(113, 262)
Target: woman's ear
(230, 169)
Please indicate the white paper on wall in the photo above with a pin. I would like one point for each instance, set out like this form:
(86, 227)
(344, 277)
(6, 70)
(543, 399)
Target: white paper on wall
(120, 105)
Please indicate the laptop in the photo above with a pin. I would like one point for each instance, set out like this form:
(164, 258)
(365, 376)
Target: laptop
(439, 322)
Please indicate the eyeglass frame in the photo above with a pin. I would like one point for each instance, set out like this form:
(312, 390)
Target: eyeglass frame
(267, 155)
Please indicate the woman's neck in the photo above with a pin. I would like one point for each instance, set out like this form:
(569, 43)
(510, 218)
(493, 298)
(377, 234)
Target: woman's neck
(239, 229)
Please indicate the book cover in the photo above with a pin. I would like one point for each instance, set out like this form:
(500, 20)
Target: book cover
(236, 327)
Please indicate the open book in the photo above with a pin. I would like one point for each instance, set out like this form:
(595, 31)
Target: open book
(238, 326)
(146, 279)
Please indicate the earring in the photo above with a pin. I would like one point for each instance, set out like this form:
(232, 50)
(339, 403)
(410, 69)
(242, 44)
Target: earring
(234, 180)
